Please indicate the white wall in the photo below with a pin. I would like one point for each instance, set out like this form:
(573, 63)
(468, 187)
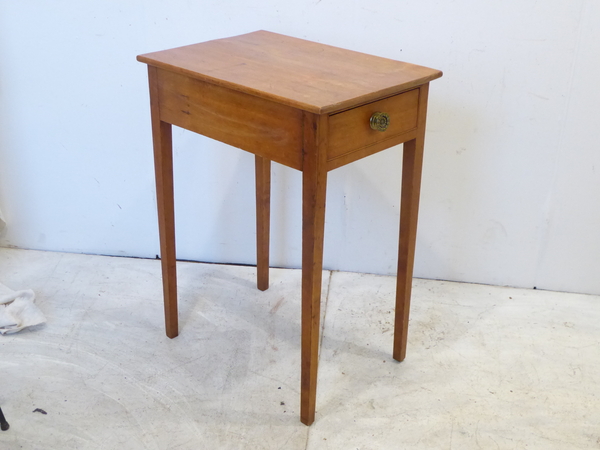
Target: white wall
(511, 185)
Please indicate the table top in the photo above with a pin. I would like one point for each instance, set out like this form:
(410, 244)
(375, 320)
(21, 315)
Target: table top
(307, 75)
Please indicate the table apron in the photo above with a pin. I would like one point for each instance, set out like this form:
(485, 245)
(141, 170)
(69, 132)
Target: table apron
(363, 152)
(262, 127)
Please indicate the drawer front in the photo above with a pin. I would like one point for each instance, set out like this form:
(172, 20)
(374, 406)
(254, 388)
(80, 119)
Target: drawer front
(350, 130)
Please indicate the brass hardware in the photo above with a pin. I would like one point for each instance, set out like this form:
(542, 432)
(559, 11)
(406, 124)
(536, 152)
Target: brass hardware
(380, 121)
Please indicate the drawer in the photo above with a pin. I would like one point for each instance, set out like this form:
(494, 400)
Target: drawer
(350, 130)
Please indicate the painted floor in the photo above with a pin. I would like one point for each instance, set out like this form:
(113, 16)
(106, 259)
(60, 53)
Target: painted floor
(487, 367)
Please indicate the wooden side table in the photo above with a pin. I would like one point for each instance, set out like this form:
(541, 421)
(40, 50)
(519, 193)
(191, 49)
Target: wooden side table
(308, 106)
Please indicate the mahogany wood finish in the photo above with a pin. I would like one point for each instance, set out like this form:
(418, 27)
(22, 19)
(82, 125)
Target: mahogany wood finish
(305, 105)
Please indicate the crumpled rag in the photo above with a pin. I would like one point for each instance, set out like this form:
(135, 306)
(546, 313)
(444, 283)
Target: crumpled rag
(17, 310)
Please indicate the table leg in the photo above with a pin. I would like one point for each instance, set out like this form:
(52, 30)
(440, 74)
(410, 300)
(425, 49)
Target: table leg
(314, 183)
(163, 167)
(263, 213)
(409, 208)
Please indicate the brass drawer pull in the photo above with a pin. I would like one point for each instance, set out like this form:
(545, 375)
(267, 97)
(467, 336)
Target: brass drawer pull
(380, 121)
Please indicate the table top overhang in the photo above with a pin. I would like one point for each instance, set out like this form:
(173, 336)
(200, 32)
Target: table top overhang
(302, 74)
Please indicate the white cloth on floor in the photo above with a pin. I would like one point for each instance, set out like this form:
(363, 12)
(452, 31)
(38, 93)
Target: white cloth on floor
(17, 310)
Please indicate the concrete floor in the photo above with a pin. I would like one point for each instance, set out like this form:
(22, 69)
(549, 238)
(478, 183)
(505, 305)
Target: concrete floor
(487, 367)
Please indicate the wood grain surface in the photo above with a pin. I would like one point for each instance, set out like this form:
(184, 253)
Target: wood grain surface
(350, 130)
(305, 105)
(307, 75)
(257, 125)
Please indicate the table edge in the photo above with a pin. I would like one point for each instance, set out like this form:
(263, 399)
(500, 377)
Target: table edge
(328, 109)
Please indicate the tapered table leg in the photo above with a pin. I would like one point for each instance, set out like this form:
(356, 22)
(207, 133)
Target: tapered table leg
(263, 213)
(411, 182)
(163, 167)
(314, 181)
(412, 165)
